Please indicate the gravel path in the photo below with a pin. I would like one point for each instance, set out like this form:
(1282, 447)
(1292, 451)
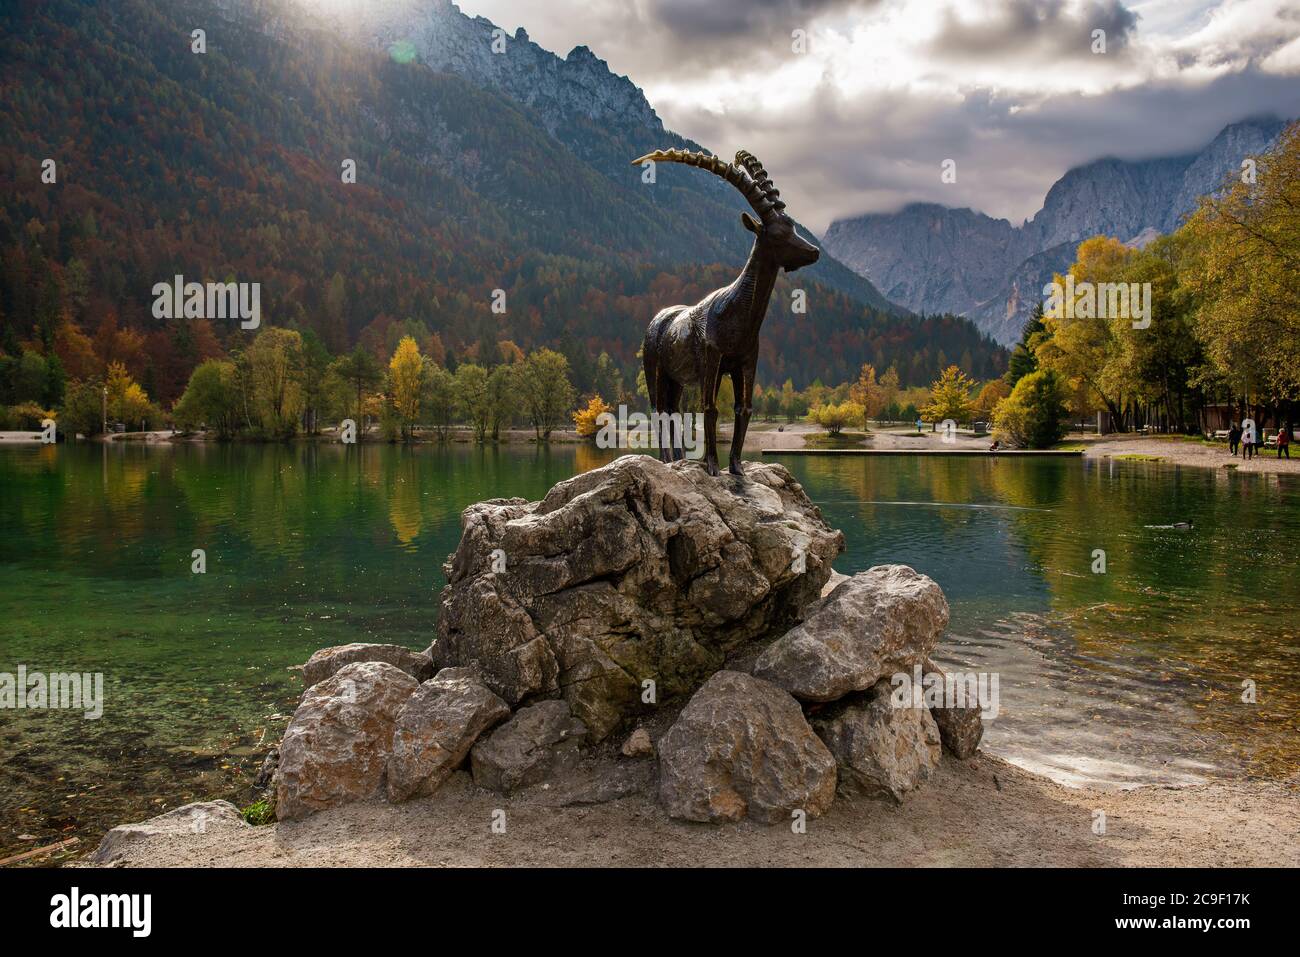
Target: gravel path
(981, 812)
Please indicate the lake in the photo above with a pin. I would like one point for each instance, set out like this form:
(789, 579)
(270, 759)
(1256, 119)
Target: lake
(1115, 679)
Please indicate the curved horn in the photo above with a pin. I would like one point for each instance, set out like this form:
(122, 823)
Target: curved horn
(759, 175)
(758, 198)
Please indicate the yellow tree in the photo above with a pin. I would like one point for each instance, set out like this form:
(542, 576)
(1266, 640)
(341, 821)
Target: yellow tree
(275, 369)
(405, 380)
(128, 403)
(873, 396)
(833, 418)
(950, 397)
(584, 420)
(1080, 343)
(993, 392)
(1245, 272)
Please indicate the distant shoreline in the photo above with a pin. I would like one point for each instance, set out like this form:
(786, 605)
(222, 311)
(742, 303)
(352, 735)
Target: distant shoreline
(802, 438)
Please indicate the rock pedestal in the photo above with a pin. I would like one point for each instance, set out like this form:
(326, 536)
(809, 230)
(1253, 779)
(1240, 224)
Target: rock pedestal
(632, 573)
(617, 600)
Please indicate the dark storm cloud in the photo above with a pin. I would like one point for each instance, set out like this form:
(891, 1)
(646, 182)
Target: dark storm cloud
(692, 21)
(1037, 29)
(733, 32)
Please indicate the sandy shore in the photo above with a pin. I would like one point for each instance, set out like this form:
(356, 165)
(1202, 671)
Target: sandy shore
(981, 812)
(1178, 450)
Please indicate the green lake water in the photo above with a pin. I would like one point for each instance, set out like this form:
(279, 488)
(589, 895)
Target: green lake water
(1130, 677)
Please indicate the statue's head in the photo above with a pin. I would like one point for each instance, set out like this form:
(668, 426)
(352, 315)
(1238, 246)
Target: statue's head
(775, 230)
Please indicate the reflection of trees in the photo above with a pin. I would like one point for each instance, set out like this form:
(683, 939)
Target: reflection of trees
(1197, 607)
(1180, 616)
(403, 480)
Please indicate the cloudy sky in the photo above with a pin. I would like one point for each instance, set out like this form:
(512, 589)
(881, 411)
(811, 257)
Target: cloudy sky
(1011, 90)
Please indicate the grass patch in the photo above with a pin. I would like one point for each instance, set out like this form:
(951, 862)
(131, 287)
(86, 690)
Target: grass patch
(824, 440)
(260, 812)
(1136, 457)
(1071, 446)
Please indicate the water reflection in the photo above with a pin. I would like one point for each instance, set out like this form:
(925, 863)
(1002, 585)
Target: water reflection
(1126, 677)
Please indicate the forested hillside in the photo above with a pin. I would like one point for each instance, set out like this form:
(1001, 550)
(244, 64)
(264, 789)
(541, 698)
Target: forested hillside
(226, 166)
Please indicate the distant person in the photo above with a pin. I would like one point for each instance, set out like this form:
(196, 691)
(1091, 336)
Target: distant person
(1248, 444)
(918, 423)
(1234, 438)
(1284, 442)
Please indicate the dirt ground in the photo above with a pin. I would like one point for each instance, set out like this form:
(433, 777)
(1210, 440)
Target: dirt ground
(981, 812)
(1182, 451)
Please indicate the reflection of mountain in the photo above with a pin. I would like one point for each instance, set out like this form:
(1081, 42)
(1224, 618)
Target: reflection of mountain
(932, 258)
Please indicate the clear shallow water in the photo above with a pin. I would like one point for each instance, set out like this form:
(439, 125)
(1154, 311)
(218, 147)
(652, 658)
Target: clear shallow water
(1125, 678)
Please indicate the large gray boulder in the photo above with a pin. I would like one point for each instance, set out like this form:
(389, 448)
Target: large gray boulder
(328, 661)
(880, 748)
(435, 729)
(336, 747)
(637, 571)
(528, 748)
(741, 748)
(960, 726)
(879, 622)
(198, 818)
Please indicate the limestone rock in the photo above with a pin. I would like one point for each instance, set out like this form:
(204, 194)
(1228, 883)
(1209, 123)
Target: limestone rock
(741, 747)
(960, 727)
(638, 744)
(832, 583)
(636, 571)
(337, 745)
(328, 661)
(436, 727)
(527, 748)
(880, 749)
(877, 623)
(198, 818)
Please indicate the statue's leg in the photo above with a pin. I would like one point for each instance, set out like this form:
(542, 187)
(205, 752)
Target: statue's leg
(674, 424)
(710, 380)
(664, 404)
(742, 383)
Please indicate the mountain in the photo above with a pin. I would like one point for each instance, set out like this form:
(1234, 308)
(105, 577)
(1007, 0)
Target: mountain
(933, 258)
(473, 175)
(602, 117)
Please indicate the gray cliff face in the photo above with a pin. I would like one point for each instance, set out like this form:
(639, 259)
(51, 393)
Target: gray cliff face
(931, 258)
(559, 89)
(890, 248)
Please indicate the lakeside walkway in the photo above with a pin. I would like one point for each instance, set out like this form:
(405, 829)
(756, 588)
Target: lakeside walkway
(1075, 453)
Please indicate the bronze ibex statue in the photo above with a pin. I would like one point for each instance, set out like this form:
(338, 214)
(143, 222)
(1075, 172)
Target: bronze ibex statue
(718, 335)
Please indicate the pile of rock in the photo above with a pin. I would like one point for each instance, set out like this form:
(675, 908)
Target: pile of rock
(638, 598)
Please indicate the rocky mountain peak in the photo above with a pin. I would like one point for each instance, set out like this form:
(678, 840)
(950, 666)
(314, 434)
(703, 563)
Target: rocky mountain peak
(446, 39)
(932, 258)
